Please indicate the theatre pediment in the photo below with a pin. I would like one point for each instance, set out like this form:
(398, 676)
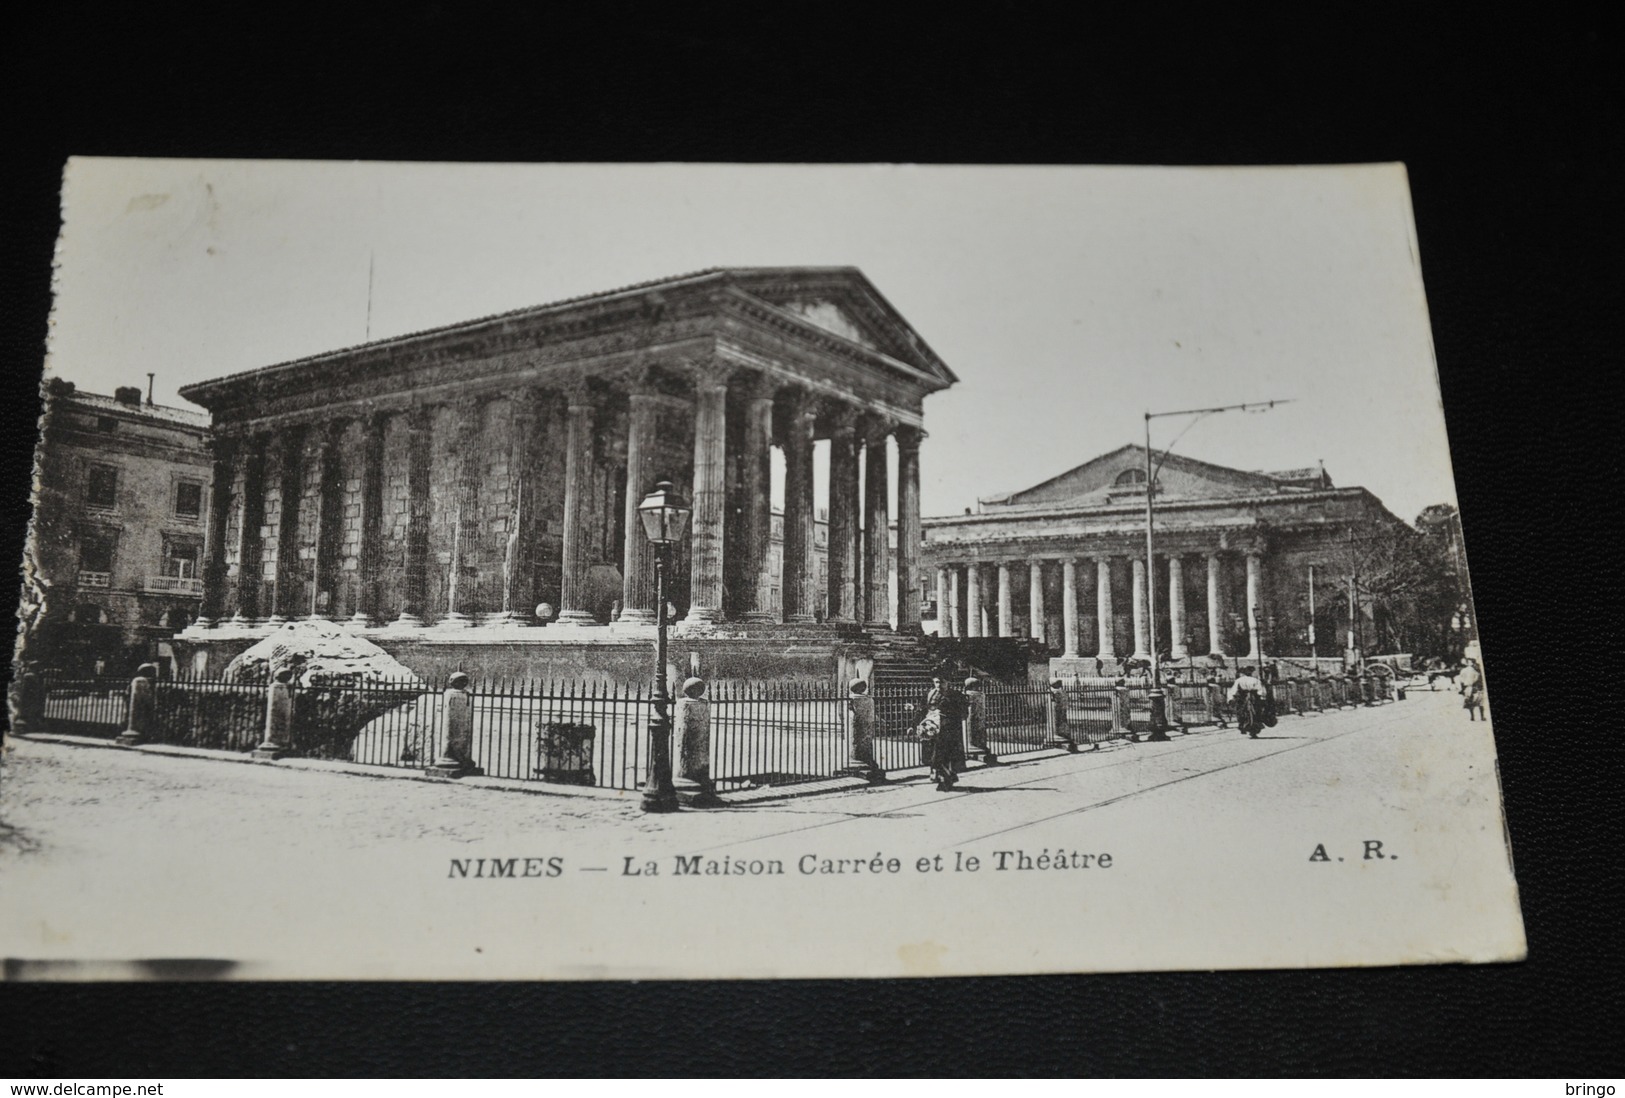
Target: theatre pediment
(1119, 476)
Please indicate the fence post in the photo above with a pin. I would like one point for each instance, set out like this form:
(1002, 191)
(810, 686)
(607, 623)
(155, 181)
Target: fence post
(1121, 721)
(142, 708)
(860, 708)
(29, 715)
(1060, 734)
(278, 741)
(457, 718)
(693, 772)
(976, 722)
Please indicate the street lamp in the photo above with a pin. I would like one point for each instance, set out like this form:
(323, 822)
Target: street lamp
(665, 518)
(1159, 700)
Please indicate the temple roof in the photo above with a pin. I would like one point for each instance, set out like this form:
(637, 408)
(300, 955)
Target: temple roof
(1119, 477)
(838, 302)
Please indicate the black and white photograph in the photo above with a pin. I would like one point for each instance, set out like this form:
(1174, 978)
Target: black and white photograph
(695, 571)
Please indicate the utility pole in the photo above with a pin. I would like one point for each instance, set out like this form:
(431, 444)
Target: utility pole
(1313, 661)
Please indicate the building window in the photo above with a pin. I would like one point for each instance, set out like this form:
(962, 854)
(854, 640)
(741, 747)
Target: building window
(180, 560)
(106, 424)
(96, 560)
(101, 487)
(1131, 476)
(188, 499)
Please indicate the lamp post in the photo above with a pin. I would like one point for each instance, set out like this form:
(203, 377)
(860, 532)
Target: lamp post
(1158, 700)
(1314, 663)
(665, 518)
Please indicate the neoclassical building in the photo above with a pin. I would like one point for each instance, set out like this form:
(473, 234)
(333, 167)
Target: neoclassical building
(1063, 562)
(461, 478)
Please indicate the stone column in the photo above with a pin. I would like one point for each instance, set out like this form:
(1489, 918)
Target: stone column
(710, 494)
(944, 622)
(910, 533)
(465, 520)
(877, 522)
(954, 628)
(843, 517)
(1006, 617)
(278, 733)
(142, 710)
(419, 457)
(370, 544)
(756, 540)
(1176, 608)
(329, 520)
(1105, 623)
(250, 548)
(1255, 563)
(1213, 642)
(1069, 607)
(223, 470)
(1035, 600)
(800, 583)
(518, 589)
(291, 479)
(973, 600)
(638, 554)
(573, 607)
(1141, 648)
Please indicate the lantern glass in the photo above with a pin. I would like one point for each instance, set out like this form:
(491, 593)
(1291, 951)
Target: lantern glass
(664, 515)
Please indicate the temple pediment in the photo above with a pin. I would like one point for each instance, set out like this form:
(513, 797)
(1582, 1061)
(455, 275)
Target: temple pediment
(1119, 476)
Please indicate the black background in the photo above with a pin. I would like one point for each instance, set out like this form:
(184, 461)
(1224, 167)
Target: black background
(1506, 128)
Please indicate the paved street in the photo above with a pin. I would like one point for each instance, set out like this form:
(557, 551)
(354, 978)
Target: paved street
(160, 843)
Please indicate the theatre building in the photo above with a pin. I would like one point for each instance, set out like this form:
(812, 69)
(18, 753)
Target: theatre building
(477, 484)
(1063, 562)
(114, 552)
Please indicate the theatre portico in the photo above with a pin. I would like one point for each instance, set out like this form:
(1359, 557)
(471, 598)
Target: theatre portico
(1064, 562)
(477, 484)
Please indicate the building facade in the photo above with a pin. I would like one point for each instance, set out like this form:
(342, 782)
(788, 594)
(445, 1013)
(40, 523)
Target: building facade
(486, 475)
(117, 545)
(1064, 562)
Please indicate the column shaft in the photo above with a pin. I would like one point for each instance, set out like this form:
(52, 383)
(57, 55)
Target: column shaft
(710, 496)
(1176, 608)
(250, 546)
(637, 556)
(518, 571)
(1255, 565)
(973, 600)
(843, 518)
(1035, 600)
(800, 584)
(1069, 606)
(877, 523)
(290, 479)
(419, 460)
(370, 543)
(1214, 644)
(324, 591)
(574, 608)
(756, 479)
(223, 470)
(955, 629)
(944, 622)
(1006, 615)
(1141, 649)
(1105, 625)
(910, 533)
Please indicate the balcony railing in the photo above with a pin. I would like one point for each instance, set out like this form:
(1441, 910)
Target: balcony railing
(95, 579)
(173, 585)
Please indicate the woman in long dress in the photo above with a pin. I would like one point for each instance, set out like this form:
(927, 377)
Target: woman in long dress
(942, 728)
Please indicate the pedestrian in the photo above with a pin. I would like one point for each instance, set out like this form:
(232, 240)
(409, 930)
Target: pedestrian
(1247, 693)
(942, 730)
(1471, 682)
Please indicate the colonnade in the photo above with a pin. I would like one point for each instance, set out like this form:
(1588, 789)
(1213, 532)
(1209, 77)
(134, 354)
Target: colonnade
(961, 609)
(331, 499)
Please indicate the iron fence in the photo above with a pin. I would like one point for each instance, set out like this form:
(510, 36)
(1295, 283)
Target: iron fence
(762, 734)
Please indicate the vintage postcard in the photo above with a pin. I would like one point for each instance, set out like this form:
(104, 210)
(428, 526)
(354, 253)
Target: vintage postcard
(683, 571)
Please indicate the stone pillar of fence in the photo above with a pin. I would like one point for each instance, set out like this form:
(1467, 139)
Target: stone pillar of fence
(1121, 720)
(457, 719)
(143, 708)
(692, 773)
(278, 740)
(28, 712)
(976, 723)
(860, 756)
(1060, 734)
